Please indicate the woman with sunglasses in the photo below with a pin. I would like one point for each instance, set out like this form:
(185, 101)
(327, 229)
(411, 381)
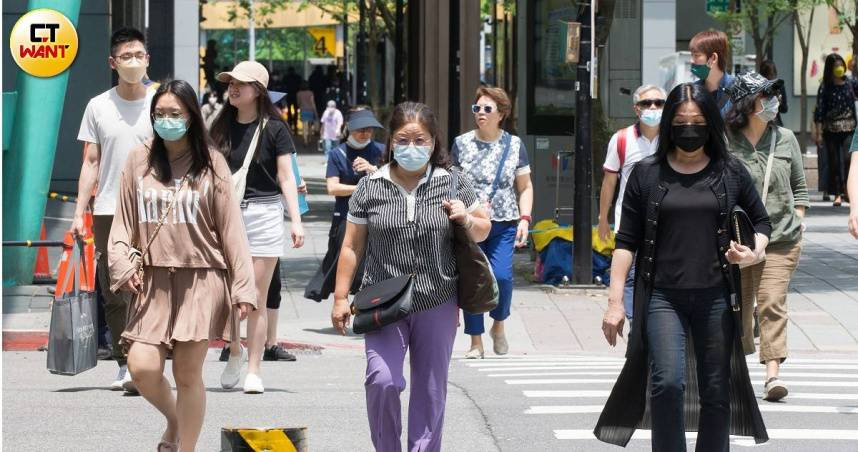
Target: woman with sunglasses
(177, 213)
(249, 123)
(496, 162)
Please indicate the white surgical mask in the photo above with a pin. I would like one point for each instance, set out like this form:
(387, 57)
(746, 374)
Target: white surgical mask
(355, 144)
(651, 117)
(770, 109)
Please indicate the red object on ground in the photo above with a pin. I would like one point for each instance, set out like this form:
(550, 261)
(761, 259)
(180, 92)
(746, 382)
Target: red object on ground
(42, 270)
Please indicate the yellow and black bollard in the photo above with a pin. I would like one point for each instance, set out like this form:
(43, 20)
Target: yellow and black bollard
(293, 439)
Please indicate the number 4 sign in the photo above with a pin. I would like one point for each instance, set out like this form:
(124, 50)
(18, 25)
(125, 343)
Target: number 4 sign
(325, 40)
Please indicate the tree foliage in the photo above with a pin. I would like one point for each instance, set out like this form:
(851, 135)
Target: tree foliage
(760, 18)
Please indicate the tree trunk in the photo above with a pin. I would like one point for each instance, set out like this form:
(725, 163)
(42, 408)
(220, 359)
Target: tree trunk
(373, 58)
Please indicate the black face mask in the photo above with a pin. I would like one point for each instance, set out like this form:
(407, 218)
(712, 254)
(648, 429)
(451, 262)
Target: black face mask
(689, 137)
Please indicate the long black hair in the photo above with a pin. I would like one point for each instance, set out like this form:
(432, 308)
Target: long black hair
(220, 129)
(420, 113)
(828, 71)
(716, 145)
(159, 162)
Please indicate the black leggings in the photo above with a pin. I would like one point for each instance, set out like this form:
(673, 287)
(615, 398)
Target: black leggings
(273, 301)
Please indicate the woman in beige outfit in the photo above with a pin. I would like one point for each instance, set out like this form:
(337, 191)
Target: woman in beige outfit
(177, 195)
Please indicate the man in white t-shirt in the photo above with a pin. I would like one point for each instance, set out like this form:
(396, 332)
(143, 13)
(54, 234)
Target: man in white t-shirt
(114, 123)
(627, 147)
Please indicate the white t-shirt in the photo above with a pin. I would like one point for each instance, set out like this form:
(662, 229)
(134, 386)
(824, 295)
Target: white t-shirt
(117, 126)
(637, 148)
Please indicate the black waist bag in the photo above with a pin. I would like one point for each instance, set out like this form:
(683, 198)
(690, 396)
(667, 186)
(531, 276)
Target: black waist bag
(382, 303)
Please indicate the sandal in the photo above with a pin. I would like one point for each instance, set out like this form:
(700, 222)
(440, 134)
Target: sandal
(166, 446)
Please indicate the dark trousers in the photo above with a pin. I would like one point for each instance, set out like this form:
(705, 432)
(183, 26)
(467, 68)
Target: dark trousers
(706, 315)
(837, 160)
(115, 304)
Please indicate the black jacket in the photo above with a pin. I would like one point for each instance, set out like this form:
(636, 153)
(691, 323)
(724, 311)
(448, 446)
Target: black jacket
(626, 408)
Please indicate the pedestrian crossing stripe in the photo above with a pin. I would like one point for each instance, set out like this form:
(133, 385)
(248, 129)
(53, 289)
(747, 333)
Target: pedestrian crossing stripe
(783, 374)
(546, 365)
(751, 359)
(550, 381)
(606, 393)
(774, 434)
(765, 408)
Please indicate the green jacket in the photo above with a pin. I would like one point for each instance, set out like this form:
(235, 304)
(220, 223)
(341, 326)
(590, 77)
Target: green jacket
(787, 186)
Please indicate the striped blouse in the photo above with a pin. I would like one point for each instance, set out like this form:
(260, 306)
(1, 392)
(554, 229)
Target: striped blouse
(410, 232)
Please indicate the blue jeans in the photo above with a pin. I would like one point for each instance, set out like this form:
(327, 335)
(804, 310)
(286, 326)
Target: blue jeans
(499, 248)
(329, 145)
(672, 315)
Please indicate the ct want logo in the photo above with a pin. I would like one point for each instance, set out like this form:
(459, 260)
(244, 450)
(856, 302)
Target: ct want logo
(43, 42)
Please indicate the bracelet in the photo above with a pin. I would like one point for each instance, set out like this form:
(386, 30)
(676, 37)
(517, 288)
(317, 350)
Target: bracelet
(526, 218)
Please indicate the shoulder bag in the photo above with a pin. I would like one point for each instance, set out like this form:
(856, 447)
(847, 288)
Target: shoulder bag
(478, 288)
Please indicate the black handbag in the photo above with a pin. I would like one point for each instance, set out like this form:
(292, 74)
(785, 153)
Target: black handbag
(382, 303)
(742, 229)
(478, 289)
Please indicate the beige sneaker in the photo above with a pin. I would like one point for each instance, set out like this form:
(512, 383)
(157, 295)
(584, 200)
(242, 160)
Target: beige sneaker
(474, 353)
(774, 390)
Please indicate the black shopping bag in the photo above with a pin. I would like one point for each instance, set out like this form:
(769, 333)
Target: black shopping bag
(72, 341)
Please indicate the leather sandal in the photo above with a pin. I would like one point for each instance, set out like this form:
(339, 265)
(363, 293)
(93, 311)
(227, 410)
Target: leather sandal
(166, 446)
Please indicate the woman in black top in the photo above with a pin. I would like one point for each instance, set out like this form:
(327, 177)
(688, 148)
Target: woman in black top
(676, 218)
(249, 123)
(834, 122)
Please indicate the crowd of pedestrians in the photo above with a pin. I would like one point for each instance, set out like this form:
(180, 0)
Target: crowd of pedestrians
(189, 200)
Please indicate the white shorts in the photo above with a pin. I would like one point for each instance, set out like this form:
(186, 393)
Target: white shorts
(264, 225)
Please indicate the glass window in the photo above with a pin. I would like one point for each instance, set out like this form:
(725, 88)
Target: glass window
(551, 87)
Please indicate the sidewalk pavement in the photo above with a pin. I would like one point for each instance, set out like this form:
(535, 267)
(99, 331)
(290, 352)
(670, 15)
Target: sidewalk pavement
(823, 298)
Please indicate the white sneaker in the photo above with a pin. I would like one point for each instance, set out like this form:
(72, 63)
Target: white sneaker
(128, 384)
(232, 372)
(117, 384)
(253, 384)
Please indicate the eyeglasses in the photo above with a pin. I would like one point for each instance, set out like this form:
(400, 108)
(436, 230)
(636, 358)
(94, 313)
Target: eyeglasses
(168, 115)
(646, 103)
(126, 57)
(419, 141)
(486, 108)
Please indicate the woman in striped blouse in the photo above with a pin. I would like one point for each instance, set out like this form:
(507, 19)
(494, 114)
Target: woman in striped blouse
(402, 217)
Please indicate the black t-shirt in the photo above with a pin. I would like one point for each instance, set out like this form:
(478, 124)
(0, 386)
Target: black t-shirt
(262, 173)
(688, 216)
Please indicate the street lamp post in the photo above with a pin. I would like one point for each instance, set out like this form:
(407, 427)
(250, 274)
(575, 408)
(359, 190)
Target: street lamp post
(582, 264)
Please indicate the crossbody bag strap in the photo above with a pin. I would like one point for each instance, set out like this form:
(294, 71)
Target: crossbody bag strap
(767, 178)
(506, 143)
(161, 220)
(251, 149)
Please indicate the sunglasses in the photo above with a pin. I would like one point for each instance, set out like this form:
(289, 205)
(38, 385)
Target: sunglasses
(486, 108)
(646, 103)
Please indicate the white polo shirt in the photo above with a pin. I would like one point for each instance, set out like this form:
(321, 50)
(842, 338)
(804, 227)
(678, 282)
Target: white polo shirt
(622, 158)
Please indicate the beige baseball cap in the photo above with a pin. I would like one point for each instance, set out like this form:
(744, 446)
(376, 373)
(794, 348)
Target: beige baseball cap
(246, 71)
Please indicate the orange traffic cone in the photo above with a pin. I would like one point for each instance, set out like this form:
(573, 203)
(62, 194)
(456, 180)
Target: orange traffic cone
(42, 271)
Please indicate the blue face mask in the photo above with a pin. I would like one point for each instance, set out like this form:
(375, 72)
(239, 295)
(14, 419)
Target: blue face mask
(411, 157)
(171, 129)
(651, 117)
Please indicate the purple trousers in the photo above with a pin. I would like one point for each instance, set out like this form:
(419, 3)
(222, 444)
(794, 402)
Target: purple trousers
(429, 335)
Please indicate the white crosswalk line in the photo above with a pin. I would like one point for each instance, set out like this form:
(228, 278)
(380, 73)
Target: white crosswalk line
(765, 408)
(563, 381)
(583, 434)
(783, 375)
(568, 394)
(519, 369)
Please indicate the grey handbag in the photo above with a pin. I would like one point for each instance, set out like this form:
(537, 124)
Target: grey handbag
(72, 340)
